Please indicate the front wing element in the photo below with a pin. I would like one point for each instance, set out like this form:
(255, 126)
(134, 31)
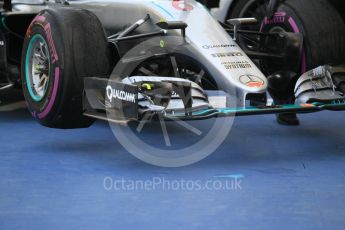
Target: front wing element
(118, 102)
(225, 112)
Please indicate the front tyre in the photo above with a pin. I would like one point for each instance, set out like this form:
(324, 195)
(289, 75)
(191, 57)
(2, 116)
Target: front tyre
(56, 57)
(320, 24)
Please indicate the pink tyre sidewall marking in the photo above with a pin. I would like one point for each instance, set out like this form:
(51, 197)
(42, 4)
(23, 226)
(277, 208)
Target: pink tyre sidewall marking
(304, 58)
(280, 17)
(50, 105)
(47, 28)
(48, 31)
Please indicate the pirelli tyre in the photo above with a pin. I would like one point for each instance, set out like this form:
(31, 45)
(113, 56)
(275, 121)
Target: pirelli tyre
(322, 27)
(59, 51)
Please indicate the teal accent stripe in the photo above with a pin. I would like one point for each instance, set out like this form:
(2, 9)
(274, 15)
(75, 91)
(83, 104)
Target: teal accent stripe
(335, 105)
(232, 176)
(162, 8)
(3, 24)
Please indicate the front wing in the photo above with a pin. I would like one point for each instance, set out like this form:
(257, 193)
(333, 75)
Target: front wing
(98, 105)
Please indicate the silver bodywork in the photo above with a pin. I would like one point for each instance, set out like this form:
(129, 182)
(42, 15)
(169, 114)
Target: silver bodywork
(221, 13)
(234, 72)
(317, 84)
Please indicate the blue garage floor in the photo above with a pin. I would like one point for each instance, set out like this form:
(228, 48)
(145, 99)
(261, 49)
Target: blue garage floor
(291, 178)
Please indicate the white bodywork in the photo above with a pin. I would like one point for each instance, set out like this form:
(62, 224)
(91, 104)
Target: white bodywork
(221, 13)
(234, 72)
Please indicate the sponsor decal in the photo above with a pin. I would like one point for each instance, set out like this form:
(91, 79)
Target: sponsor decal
(218, 46)
(161, 43)
(278, 17)
(48, 31)
(237, 65)
(251, 81)
(229, 54)
(39, 19)
(182, 5)
(119, 94)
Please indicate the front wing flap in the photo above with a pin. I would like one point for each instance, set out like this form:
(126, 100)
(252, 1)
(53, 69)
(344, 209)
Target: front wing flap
(276, 109)
(118, 102)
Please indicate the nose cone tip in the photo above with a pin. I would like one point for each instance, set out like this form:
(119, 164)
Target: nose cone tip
(254, 84)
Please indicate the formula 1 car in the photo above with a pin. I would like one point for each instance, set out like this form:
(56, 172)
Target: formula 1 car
(120, 60)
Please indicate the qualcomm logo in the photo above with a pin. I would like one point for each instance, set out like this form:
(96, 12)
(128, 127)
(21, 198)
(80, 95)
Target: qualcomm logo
(218, 46)
(119, 94)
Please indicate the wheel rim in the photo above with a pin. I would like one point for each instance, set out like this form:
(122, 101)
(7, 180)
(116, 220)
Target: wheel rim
(37, 67)
(200, 140)
(174, 68)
